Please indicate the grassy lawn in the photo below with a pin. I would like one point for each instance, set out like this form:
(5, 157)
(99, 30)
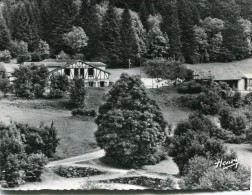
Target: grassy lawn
(244, 153)
(76, 133)
(165, 99)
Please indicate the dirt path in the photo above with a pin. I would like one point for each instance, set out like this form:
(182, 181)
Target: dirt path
(81, 158)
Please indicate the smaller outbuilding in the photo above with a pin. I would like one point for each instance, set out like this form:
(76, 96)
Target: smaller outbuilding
(223, 72)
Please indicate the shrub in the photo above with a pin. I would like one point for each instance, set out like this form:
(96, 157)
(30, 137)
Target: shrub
(249, 135)
(18, 48)
(196, 136)
(220, 179)
(79, 111)
(131, 127)
(189, 87)
(203, 174)
(42, 139)
(152, 183)
(36, 57)
(34, 166)
(78, 92)
(30, 82)
(72, 172)
(209, 103)
(167, 70)
(43, 48)
(236, 124)
(248, 99)
(23, 58)
(13, 167)
(59, 84)
(5, 56)
(4, 85)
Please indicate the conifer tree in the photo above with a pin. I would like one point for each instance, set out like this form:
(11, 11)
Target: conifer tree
(143, 14)
(33, 25)
(7, 14)
(22, 30)
(5, 36)
(88, 19)
(111, 37)
(187, 22)
(170, 25)
(62, 14)
(130, 47)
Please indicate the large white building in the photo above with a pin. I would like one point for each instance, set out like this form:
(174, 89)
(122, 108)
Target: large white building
(93, 73)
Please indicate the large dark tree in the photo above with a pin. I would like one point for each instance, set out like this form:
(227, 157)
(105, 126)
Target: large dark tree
(170, 25)
(88, 19)
(62, 14)
(130, 47)
(5, 36)
(131, 127)
(111, 37)
(22, 29)
(187, 21)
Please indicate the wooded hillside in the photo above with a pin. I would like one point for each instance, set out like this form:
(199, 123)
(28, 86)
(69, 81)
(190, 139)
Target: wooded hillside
(115, 31)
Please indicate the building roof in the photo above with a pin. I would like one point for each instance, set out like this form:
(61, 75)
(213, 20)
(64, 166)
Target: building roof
(96, 64)
(70, 63)
(54, 63)
(249, 76)
(219, 71)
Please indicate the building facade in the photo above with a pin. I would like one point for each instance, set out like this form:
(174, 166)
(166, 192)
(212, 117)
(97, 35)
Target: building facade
(94, 74)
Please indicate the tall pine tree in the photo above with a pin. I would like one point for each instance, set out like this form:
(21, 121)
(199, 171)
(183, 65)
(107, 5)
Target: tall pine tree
(130, 48)
(143, 14)
(187, 22)
(5, 36)
(33, 25)
(88, 19)
(62, 14)
(111, 37)
(22, 30)
(170, 25)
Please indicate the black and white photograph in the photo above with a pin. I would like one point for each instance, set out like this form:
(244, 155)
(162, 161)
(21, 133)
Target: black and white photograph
(126, 95)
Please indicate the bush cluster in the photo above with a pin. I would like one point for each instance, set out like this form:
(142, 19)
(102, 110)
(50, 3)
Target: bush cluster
(83, 112)
(37, 56)
(23, 58)
(31, 81)
(189, 87)
(71, 172)
(5, 56)
(196, 136)
(167, 69)
(248, 99)
(201, 173)
(232, 122)
(78, 92)
(59, 84)
(23, 152)
(152, 183)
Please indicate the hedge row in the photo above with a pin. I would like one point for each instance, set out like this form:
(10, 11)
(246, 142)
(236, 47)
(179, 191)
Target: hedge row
(73, 172)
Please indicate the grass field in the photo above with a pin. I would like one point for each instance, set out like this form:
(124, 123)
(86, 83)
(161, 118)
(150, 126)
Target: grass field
(165, 99)
(75, 133)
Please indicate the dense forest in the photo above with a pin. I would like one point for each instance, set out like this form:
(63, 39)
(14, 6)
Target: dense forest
(114, 31)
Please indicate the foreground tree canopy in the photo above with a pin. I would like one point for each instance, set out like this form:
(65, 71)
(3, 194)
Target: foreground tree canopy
(131, 127)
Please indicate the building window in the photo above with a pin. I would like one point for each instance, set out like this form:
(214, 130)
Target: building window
(90, 84)
(250, 82)
(67, 71)
(102, 84)
(90, 72)
(76, 72)
(82, 72)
